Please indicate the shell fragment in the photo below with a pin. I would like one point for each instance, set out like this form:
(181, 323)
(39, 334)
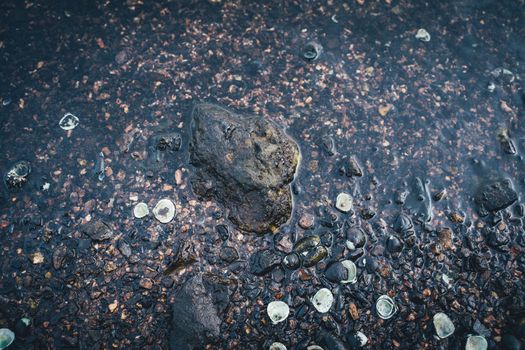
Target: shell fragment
(68, 121)
(323, 300)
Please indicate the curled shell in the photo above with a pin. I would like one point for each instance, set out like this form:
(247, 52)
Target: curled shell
(323, 300)
(278, 311)
(385, 307)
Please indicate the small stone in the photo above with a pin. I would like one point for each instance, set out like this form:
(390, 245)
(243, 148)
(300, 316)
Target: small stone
(291, 261)
(37, 258)
(98, 230)
(423, 35)
(140, 210)
(124, 248)
(278, 311)
(510, 342)
(443, 325)
(146, 283)
(344, 202)
(384, 109)
(495, 195)
(263, 261)
(323, 300)
(164, 211)
(229, 254)
(306, 221)
(59, 256)
(113, 306)
(353, 311)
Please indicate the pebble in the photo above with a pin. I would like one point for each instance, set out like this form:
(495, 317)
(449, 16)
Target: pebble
(306, 221)
(423, 35)
(344, 202)
(146, 283)
(263, 261)
(140, 210)
(443, 325)
(323, 300)
(164, 211)
(229, 254)
(37, 258)
(113, 306)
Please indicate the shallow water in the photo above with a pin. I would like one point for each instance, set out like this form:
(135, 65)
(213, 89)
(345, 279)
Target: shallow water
(419, 117)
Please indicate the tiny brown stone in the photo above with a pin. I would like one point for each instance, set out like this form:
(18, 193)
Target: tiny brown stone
(306, 221)
(146, 283)
(353, 311)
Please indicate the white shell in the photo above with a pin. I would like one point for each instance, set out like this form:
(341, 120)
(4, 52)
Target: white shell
(164, 211)
(443, 325)
(362, 338)
(314, 347)
(68, 121)
(140, 210)
(278, 311)
(423, 35)
(344, 202)
(352, 271)
(323, 300)
(277, 346)
(385, 307)
(476, 342)
(6, 338)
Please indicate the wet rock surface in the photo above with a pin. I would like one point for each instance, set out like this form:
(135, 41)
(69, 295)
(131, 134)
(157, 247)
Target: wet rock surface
(495, 195)
(198, 311)
(405, 127)
(246, 163)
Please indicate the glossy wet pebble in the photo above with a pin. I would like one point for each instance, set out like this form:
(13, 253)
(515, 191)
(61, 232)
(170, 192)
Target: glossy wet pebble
(278, 311)
(344, 202)
(164, 211)
(291, 261)
(263, 261)
(140, 210)
(341, 272)
(443, 325)
(323, 300)
(355, 238)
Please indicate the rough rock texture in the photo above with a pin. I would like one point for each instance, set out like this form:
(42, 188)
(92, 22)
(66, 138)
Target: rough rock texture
(495, 195)
(244, 162)
(198, 310)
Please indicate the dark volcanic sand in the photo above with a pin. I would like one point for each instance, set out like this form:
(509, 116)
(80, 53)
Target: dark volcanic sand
(404, 108)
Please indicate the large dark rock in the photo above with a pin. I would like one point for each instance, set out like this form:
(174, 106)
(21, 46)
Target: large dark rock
(244, 162)
(198, 310)
(495, 195)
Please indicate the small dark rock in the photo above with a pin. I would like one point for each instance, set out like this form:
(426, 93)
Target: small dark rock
(223, 232)
(336, 272)
(228, 254)
(312, 256)
(350, 167)
(495, 195)
(394, 244)
(59, 255)
(510, 342)
(306, 243)
(329, 342)
(291, 261)
(198, 311)
(355, 237)
(184, 256)
(124, 248)
(98, 230)
(263, 261)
